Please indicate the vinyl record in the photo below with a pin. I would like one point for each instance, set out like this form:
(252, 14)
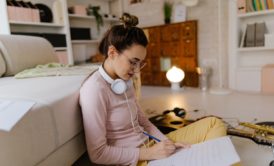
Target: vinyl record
(45, 13)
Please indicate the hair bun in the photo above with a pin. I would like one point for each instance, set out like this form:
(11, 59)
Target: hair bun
(129, 20)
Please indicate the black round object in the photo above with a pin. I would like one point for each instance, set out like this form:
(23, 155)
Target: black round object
(45, 13)
(271, 163)
(179, 112)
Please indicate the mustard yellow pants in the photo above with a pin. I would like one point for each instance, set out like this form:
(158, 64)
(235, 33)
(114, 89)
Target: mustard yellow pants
(202, 130)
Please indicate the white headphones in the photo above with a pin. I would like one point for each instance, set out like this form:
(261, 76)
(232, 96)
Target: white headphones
(118, 86)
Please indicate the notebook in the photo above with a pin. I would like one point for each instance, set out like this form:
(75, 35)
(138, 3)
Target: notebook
(215, 152)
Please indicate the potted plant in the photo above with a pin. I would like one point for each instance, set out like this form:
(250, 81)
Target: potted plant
(167, 11)
(94, 10)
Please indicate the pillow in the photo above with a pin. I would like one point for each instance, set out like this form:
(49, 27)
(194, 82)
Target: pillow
(23, 52)
(2, 65)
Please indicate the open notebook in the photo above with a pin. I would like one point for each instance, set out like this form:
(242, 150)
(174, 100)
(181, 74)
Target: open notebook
(216, 152)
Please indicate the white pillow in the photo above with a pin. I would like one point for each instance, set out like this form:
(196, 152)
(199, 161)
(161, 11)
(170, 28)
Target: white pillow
(2, 65)
(23, 52)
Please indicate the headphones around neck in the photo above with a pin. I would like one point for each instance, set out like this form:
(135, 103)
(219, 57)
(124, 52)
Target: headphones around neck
(118, 86)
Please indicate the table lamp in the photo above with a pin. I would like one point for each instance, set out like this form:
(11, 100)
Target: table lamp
(175, 75)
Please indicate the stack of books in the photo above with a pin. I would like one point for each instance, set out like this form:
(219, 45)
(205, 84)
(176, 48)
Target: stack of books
(254, 35)
(245, 6)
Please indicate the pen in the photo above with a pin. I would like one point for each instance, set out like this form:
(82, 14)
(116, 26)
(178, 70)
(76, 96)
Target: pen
(152, 137)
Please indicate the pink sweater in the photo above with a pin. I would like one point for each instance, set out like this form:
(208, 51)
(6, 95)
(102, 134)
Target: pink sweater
(110, 136)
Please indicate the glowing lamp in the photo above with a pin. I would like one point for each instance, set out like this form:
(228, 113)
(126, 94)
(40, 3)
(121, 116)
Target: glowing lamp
(175, 75)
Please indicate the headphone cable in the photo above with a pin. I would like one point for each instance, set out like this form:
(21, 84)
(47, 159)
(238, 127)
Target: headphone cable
(131, 118)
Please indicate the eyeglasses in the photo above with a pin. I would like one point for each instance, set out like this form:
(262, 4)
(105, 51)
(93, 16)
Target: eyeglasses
(137, 66)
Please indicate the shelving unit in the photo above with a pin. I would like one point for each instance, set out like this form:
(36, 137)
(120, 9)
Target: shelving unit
(257, 13)
(84, 49)
(41, 24)
(62, 22)
(85, 41)
(248, 49)
(245, 63)
(58, 26)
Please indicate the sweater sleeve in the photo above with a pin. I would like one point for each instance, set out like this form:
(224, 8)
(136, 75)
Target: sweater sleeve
(93, 101)
(148, 126)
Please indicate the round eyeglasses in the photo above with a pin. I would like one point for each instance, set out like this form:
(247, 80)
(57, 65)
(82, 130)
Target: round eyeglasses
(137, 66)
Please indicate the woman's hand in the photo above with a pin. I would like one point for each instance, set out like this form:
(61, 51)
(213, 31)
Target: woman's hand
(182, 145)
(160, 150)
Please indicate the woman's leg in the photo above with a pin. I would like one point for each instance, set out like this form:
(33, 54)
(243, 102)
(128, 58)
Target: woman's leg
(199, 131)
(202, 130)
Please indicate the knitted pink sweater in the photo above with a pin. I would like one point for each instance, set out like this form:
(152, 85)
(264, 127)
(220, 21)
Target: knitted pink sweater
(110, 135)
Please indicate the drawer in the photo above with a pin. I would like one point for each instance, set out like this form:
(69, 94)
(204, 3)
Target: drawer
(170, 33)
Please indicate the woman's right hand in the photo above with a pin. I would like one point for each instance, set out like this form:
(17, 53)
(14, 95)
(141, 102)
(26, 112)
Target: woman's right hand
(163, 149)
(159, 150)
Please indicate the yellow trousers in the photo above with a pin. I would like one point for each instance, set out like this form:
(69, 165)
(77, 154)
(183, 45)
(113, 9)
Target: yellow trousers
(202, 130)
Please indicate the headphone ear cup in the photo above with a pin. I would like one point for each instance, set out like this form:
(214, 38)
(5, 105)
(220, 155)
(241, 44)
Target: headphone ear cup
(119, 86)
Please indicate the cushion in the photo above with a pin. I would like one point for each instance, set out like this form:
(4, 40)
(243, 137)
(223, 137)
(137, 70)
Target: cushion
(22, 52)
(2, 65)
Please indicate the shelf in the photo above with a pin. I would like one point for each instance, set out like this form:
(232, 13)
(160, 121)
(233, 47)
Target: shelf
(85, 41)
(257, 13)
(108, 0)
(111, 19)
(41, 24)
(246, 49)
(80, 16)
(75, 16)
(60, 48)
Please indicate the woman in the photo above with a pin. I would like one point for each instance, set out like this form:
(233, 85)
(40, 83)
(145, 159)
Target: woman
(115, 127)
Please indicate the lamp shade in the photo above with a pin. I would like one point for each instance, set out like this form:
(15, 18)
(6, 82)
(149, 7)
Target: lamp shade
(175, 75)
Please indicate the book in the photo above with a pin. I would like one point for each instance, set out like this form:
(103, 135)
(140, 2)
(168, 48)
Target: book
(254, 4)
(249, 6)
(263, 5)
(270, 4)
(260, 29)
(243, 37)
(259, 4)
(215, 152)
(250, 35)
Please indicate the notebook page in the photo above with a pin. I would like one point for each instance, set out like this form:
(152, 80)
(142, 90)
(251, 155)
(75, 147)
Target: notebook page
(216, 152)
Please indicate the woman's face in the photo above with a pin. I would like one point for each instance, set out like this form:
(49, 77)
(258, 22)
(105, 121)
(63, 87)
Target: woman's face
(129, 62)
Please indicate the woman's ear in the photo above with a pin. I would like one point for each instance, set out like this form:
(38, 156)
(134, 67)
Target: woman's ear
(112, 51)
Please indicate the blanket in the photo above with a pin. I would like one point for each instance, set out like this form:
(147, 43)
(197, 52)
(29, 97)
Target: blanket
(56, 69)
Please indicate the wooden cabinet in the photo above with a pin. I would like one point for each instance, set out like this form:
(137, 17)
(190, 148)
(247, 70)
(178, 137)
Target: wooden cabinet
(171, 45)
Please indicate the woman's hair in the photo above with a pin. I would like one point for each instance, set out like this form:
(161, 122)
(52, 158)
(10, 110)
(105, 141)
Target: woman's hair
(123, 36)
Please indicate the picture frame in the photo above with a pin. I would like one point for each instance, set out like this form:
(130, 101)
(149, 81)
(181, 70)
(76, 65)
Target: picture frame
(179, 14)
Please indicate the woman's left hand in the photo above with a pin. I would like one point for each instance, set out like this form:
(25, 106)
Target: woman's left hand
(182, 145)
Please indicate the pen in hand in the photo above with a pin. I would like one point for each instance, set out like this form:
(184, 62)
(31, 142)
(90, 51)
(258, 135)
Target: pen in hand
(152, 137)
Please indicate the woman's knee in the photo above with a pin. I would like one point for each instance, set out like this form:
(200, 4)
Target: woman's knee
(214, 121)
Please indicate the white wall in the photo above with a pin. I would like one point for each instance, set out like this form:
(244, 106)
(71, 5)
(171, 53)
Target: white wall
(150, 13)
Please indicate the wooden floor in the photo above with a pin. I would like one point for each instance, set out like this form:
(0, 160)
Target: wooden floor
(233, 108)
